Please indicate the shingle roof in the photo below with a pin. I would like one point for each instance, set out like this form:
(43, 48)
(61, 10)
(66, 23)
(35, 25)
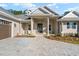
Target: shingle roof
(26, 17)
(23, 17)
(74, 12)
(51, 10)
(45, 10)
(70, 18)
(6, 13)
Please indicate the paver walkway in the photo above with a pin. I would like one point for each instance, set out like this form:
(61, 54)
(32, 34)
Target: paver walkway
(38, 46)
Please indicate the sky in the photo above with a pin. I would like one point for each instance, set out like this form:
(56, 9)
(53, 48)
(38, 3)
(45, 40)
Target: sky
(57, 7)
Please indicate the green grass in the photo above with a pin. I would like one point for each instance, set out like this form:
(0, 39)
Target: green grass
(73, 40)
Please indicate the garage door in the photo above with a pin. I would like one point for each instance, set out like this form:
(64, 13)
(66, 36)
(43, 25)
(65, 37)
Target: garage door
(5, 31)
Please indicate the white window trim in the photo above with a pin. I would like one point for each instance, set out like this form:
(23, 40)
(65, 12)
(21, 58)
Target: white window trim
(71, 24)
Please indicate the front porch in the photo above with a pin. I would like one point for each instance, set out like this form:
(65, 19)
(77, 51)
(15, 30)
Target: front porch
(40, 25)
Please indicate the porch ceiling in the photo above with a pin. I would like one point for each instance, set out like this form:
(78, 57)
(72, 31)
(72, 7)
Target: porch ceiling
(39, 17)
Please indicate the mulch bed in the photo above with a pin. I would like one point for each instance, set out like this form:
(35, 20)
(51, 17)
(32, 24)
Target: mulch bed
(74, 40)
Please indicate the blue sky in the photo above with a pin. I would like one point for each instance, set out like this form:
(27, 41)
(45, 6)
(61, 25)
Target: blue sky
(58, 7)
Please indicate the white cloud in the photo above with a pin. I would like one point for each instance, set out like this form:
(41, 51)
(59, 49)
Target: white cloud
(3, 5)
(57, 7)
(25, 5)
(30, 6)
(52, 4)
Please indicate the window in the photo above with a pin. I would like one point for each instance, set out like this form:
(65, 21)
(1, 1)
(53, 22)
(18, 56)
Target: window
(71, 25)
(68, 25)
(74, 25)
(49, 27)
(29, 27)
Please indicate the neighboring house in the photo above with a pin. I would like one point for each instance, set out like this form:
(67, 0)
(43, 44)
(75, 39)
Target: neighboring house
(42, 20)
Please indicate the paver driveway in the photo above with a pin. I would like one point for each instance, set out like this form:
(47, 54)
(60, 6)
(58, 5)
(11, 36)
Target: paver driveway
(36, 46)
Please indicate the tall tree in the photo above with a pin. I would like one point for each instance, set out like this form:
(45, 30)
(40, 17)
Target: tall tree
(16, 12)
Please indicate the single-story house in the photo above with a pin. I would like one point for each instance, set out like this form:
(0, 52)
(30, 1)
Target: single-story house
(42, 20)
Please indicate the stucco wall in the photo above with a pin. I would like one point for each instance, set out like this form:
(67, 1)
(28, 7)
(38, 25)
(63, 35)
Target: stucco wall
(15, 28)
(24, 28)
(70, 30)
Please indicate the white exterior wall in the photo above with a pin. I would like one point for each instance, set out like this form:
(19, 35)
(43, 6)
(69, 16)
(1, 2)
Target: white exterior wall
(16, 28)
(21, 30)
(66, 30)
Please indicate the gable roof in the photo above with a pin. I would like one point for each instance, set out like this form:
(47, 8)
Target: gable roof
(39, 11)
(44, 11)
(6, 13)
(23, 17)
(53, 12)
(70, 16)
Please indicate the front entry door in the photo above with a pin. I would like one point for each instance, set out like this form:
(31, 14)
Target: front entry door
(40, 27)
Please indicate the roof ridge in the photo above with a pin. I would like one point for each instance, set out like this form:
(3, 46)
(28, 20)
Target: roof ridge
(41, 9)
(50, 10)
(72, 11)
(76, 13)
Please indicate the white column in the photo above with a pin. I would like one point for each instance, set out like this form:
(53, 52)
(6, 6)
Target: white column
(19, 27)
(62, 28)
(12, 29)
(47, 26)
(31, 25)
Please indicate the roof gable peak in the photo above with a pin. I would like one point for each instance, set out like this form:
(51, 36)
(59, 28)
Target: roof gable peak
(44, 10)
(71, 14)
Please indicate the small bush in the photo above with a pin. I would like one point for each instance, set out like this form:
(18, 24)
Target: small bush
(74, 40)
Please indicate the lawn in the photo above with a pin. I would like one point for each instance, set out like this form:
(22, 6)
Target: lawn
(74, 40)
